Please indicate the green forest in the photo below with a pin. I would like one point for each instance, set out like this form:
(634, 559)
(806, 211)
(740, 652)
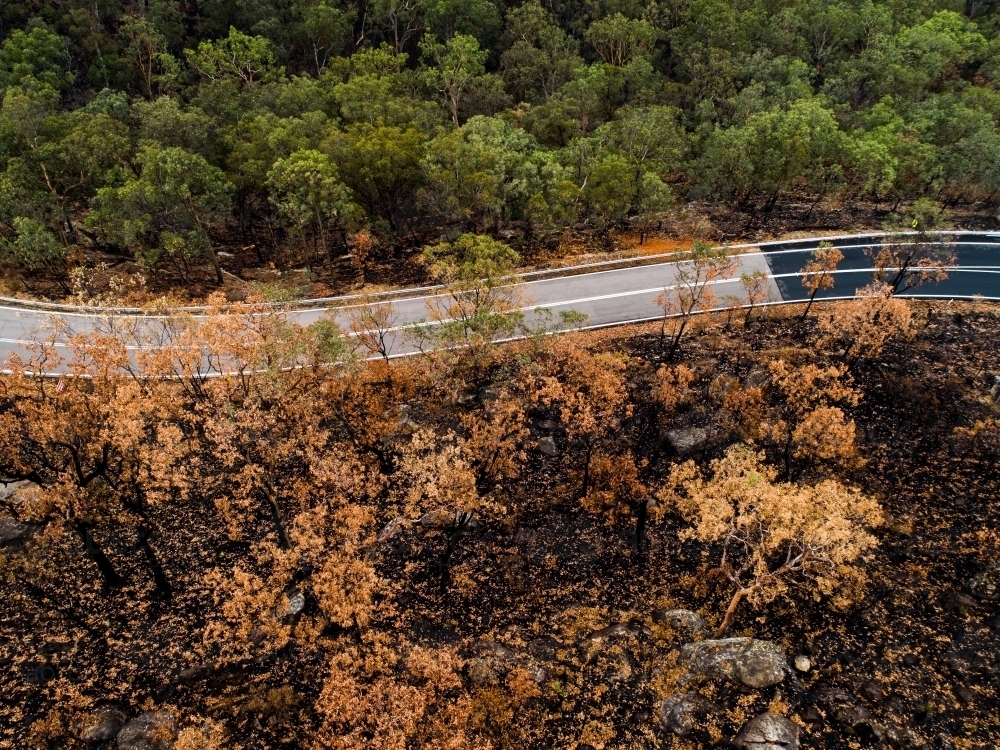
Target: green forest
(159, 132)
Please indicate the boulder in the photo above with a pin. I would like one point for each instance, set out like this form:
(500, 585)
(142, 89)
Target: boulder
(103, 725)
(768, 732)
(11, 530)
(548, 446)
(153, 730)
(686, 440)
(749, 662)
(986, 585)
(683, 620)
(680, 712)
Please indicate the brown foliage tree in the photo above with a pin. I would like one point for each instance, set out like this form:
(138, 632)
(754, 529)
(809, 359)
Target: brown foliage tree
(588, 392)
(817, 274)
(769, 533)
(862, 327)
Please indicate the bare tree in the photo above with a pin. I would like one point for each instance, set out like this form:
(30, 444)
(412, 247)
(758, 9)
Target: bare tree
(692, 293)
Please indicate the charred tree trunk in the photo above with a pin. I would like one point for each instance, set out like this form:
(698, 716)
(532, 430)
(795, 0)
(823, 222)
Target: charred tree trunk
(163, 588)
(108, 572)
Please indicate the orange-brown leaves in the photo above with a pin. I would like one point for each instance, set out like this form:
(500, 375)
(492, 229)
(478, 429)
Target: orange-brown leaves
(770, 531)
(671, 388)
(379, 696)
(862, 328)
(804, 419)
(615, 485)
(588, 391)
(817, 273)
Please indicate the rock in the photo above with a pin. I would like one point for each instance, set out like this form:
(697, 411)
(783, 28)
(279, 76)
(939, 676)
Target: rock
(548, 425)
(964, 694)
(986, 585)
(768, 732)
(995, 390)
(153, 730)
(548, 446)
(493, 661)
(871, 691)
(853, 716)
(961, 603)
(296, 603)
(544, 647)
(103, 725)
(753, 663)
(16, 493)
(686, 440)
(488, 393)
(680, 712)
(803, 663)
(600, 639)
(11, 530)
(684, 620)
(482, 672)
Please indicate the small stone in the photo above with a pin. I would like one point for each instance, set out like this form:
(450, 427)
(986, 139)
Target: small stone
(683, 620)
(686, 440)
(296, 603)
(753, 663)
(853, 716)
(153, 730)
(679, 713)
(802, 663)
(548, 446)
(103, 725)
(481, 672)
(986, 585)
(911, 660)
(768, 732)
(195, 674)
(964, 694)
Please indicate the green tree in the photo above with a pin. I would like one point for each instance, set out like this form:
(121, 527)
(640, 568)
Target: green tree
(322, 28)
(476, 18)
(381, 165)
(456, 69)
(480, 302)
(488, 171)
(541, 56)
(171, 206)
(147, 50)
(307, 190)
(37, 54)
(247, 60)
(618, 40)
(32, 247)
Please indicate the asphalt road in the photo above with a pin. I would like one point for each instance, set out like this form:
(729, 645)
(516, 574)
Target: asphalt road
(607, 297)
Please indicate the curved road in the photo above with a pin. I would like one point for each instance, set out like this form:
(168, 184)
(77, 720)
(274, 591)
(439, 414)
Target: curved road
(607, 297)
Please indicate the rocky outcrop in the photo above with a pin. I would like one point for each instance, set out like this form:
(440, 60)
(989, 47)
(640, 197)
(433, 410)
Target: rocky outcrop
(749, 662)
